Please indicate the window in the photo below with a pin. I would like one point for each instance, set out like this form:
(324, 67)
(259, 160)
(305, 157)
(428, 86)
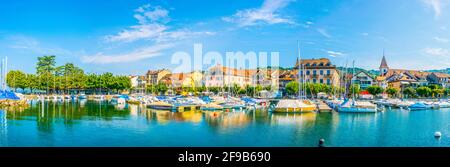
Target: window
(328, 82)
(314, 72)
(328, 72)
(314, 65)
(321, 72)
(314, 80)
(307, 72)
(321, 64)
(321, 80)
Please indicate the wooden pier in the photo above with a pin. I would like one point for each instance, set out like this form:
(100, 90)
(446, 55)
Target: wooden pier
(323, 107)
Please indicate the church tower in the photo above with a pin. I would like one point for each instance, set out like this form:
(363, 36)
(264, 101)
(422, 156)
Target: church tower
(384, 68)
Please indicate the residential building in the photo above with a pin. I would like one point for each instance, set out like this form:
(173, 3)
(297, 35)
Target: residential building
(265, 77)
(400, 78)
(192, 79)
(220, 76)
(318, 71)
(363, 79)
(441, 79)
(155, 76)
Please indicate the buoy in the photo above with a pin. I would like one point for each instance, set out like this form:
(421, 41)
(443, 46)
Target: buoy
(322, 143)
(437, 134)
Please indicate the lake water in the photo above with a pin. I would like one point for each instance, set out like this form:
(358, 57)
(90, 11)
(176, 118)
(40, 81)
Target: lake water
(91, 123)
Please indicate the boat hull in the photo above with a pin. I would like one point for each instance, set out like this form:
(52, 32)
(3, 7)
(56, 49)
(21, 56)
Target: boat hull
(356, 110)
(295, 110)
(160, 107)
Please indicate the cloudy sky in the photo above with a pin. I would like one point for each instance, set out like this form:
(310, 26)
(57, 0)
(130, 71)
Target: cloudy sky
(130, 37)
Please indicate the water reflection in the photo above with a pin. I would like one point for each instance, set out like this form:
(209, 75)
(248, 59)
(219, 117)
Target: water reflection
(87, 123)
(3, 129)
(47, 114)
(164, 117)
(292, 118)
(227, 120)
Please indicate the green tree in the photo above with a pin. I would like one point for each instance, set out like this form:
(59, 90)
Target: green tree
(446, 92)
(249, 90)
(355, 89)
(162, 88)
(424, 91)
(268, 88)
(392, 91)
(375, 90)
(292, 88)
(258, 88)
(16, 79)
(45, 64)
(437, 92)
(409, 92)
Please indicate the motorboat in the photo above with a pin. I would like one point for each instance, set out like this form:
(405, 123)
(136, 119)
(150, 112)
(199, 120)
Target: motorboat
(352, 106)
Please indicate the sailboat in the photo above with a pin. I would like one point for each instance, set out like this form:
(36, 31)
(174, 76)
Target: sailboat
(302, 104)
(353, 106)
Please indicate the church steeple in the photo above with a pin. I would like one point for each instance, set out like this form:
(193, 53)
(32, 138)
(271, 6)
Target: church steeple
(383, 66)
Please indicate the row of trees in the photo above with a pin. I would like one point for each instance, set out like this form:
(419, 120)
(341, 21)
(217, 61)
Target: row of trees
(292, 88)
(65, 79)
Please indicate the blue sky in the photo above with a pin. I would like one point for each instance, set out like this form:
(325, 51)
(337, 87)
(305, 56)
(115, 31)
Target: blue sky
(130, 37)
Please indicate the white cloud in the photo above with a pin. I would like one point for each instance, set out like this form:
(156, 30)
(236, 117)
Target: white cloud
(30, 44)
(335, 54)
(136, 55)
(436, 5)
(365, 34)
(148, 14)
(268, 13)
(441, 40)
(324, 32)
(152, 26)
(441, 52)
(138, 32)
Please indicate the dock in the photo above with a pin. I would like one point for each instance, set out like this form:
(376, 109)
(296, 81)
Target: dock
(323, 107)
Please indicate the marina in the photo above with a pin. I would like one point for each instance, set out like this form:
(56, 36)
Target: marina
(94, 123)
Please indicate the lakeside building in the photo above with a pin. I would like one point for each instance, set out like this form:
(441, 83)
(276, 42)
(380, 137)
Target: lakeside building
(137, 81)
(155, 76)
(266, 77)
(401, 78)
(441, 79)
(220, 76)
(192, 79)
(363, 79)
(317, 71)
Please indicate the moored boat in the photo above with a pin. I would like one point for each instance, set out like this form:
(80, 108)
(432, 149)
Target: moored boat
(294, 105)
(160, 105)
(352, 106)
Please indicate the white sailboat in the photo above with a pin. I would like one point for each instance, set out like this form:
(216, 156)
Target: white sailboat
(350, 105)
(302, 104)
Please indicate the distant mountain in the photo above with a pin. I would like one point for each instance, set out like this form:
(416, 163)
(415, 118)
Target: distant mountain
(447, 71)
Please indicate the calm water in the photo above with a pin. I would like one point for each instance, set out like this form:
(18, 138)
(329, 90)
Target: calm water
(91, 123)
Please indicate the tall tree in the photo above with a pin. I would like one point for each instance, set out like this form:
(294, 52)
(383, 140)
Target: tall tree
(46, 64)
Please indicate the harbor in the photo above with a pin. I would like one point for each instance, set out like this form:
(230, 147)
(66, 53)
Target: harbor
(104, 123)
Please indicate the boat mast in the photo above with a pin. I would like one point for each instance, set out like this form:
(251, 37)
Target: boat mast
(351, 80)
(299, 72)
